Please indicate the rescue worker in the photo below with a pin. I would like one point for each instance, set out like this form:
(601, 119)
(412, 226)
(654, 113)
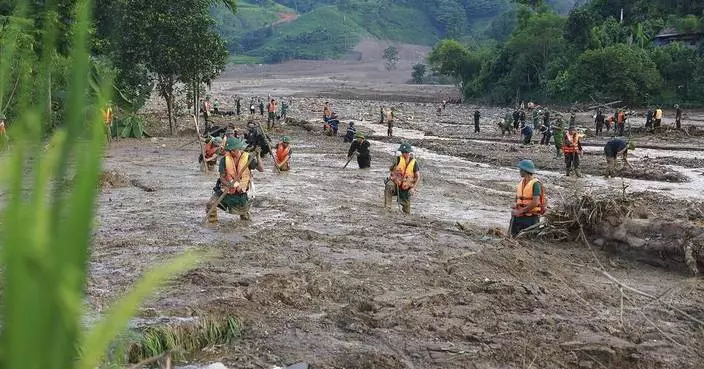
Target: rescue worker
(271, 110)
(403, 178)
(658, 118)
(216, 107)
(599, 120)
(546, 131)
(351, 131)
(284, 110)
(522, 117)
(381, 114)
(573, 119)
(261, 107)
(390, 123)
(609, 123)
(252, 107)
(107, 119)
(546, 116)
(327, 112)
(530, 199)
(361, 147)
(283, 154)
(238, 104)
(212, 149)
(255, 139)
(535, 117)
(206, 109)
(678, 116)
(621, 122)
(649, 118)
(572, 148)
(558, 134)
(476, 121)
(516, 118)
(235, 179)
(527, 133)
(614, 148)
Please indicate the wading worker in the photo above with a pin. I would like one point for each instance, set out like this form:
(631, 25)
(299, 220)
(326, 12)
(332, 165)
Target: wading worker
(614, 148)
(572, 148)
(361, 146)
(403, 178)
(283, 154)
(235, 179)
(530, 199)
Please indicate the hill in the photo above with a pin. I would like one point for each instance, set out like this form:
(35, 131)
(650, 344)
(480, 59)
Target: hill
(274, 31)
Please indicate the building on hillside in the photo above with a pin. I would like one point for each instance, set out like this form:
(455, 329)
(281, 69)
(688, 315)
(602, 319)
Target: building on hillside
(670, 35)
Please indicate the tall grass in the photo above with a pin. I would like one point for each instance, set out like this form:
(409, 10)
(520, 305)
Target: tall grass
(46, 219)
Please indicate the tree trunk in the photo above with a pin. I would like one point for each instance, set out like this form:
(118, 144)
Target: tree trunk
(169, 104)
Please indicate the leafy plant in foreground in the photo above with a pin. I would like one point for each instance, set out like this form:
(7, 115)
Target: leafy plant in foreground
(46, 219)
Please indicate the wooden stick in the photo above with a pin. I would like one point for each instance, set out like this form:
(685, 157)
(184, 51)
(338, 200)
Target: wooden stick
(202, 147)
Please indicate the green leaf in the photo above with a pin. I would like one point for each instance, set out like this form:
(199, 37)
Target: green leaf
(96, 342)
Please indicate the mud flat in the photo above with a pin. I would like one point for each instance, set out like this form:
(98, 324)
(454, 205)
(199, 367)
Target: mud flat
(324, 275)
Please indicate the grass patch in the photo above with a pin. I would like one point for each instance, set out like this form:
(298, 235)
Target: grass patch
(184, 340)
(245, 59)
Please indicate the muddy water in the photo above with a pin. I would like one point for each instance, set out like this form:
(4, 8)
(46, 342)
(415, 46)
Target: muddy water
(323, 274)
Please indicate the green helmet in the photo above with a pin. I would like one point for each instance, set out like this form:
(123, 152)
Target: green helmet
(527, 166)
(217, 141)
(359, 134)
(405, 148)
(631, 145)
(286, 139)
(235, 144)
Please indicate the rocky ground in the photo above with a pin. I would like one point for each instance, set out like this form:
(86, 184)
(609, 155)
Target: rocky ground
(324, 275)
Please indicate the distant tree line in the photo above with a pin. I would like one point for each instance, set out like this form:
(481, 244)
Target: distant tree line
(589, 54)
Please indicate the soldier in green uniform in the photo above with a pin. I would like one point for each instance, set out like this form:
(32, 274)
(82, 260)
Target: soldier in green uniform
(558, 135)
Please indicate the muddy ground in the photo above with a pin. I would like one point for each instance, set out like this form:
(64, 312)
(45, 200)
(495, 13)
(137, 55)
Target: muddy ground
(324, 275)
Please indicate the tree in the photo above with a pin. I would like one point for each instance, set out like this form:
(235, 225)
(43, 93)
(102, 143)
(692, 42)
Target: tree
(418, 73)
(619, 72)
(578, 26)
(153, 34)
(391, 57)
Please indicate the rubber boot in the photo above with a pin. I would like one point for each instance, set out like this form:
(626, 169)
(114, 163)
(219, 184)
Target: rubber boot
(569, 172)
(212, 215)
(388, 194)
(406, 207)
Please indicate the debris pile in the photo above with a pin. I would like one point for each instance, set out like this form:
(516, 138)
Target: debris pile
(643, 223)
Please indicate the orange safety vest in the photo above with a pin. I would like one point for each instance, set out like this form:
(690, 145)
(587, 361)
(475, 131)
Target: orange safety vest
(621, 117)
(404, 173)
(524, 196)
(571, 144)
(210, 149)
(231, 172)
(282, 154)
(107, 115)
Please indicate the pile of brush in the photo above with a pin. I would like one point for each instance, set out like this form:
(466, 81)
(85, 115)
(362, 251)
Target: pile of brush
(585, 213)
(642, 223)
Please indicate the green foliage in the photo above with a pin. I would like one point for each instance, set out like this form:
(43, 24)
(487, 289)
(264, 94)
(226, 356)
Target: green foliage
(390, 57)
(418, 74)
(312, 37)
(151, 34)
(618, 72)
(450, 58)
(47, 217)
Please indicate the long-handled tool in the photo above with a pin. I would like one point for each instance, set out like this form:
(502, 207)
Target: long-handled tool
(202, 147)
(510, 226)
(271, 148)
(349, 159)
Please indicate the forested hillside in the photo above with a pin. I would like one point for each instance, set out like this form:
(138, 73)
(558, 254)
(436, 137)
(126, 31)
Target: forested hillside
(590, 54)
(273, 31)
